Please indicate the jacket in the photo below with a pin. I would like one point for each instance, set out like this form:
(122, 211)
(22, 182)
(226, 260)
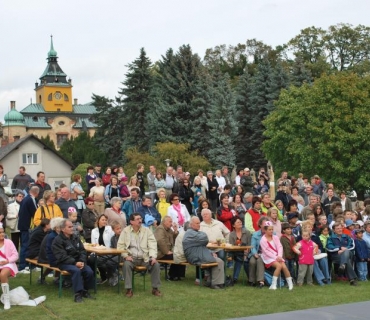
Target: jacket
(68, 250)
(361, 252)
(88, 221)
(152, 211)
(269, 253)
(178, 250)
(225, 215)
(255, 243)
(129, 206)
(48, 212)
(27, 211)
(11, 254)
(215, 230)
(42, 188)
(174, 215)
(107, 236)
(49, 252)
(12, 216)
(247, 183)
(307, 251)
(34, 244)
(147, 242)
(335, 242)
(195, 247)
(251, 220)
(244, 241)
(114, 216)
(288, 245)
(64, 205)
(165, 240)
(212, 194)
(43, 257)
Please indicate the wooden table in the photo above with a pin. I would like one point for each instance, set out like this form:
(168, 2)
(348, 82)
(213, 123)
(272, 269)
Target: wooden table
(103, 251)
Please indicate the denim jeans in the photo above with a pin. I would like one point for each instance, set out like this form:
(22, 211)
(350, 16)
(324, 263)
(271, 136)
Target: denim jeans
(290, 265)
(25, 238)
(237, 267)
(361, 270)
(321, 270)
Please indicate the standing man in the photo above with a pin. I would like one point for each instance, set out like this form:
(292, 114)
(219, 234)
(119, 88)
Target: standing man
(225, 174)
(196, 252)
(172, 185)
(140, 178)
(65, 202)
(141, 249)
(330, 198)
(27, 211)
(246, 181)
(21, 180)
(151, 177)
(221, 182)
(70, 256)
(98, 172)
(40, 182)
(179, 173)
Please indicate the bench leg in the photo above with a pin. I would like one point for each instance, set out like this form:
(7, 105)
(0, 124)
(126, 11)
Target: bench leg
(200, 277)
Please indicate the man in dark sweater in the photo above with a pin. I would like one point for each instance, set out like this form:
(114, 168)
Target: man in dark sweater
(65, 202)
(21, 180)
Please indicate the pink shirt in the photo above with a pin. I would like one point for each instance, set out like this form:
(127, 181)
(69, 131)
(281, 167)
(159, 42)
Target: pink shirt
(11, 254)
(307, 249)
(270, 251)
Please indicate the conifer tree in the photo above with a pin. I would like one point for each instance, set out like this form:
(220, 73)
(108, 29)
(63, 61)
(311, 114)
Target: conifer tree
(300, 74)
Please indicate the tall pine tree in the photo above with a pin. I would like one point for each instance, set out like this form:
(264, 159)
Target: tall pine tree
(136, 102)
(300, 74)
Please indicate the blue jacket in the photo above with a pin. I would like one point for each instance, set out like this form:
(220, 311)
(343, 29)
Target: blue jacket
(335, 243)
(152, 211)
(27, 211)
(255, 243)
(128, 208)
(361, 251)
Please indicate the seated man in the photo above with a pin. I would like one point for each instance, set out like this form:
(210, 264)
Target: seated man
(147, 209)
(70, 256)
(340, 248)
(196, 252)
(141, 249)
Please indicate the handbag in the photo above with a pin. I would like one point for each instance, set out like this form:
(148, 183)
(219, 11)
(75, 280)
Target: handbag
(11, 223)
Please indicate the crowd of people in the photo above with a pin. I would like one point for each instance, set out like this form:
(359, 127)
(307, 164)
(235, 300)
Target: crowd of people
(305, 233)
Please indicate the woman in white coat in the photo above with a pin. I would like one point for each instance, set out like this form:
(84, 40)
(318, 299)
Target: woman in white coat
(101, 236)
(177, 211)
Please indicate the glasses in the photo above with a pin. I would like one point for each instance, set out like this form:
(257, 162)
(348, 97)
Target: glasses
(20, 196)
(90, 204)
(175, 199)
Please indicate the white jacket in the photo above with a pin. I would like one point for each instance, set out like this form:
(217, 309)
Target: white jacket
(12, 216)
(107, 236)
(173, 214)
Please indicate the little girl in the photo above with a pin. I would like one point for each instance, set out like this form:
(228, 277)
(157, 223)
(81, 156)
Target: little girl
(324, 236)
(305, 249)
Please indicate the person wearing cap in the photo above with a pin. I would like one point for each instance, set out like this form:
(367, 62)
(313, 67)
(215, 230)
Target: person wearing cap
(350, 226)
(246, 181)
(293, 222)
(97, 194)
(212, 194)
(362, 255)
(340, 247)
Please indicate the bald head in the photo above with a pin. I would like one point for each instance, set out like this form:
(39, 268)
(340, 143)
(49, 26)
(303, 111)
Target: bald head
(195, 223)
(34, 191)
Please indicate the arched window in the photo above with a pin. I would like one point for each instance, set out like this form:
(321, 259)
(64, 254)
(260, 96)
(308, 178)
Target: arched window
(50, 97)
(40, 99)
(66, 97)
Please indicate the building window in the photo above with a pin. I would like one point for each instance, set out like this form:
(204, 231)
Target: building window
(16, 138)
(50, 97)
(61, 138)
(66, 97)
(29, 158)
(40, 99)
(35, 119)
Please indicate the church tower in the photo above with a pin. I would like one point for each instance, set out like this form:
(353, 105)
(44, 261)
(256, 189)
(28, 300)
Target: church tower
(54, 92)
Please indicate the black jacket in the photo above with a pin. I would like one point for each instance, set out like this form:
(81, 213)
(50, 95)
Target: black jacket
(27, 211)
(68, 250)
(36, 238)
(247, 183)
(88, 222)
(212, 194)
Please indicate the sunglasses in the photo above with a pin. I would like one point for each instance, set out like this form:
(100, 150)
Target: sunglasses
(176, 199)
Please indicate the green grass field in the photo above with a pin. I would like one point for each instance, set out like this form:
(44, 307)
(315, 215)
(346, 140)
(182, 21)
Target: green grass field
(181, 300)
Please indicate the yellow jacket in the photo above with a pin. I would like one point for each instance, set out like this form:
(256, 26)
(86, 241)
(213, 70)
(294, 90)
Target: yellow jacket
(50, 211)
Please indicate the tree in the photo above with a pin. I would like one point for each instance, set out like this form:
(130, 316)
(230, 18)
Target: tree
(48, 142)
(243, 115)
(136, 102)
(300, 74)
(222, 125)
(322, 129)
(108, 136)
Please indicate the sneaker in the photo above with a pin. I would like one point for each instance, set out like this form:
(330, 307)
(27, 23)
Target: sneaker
(197, 282)
(51, 275)
(113, 281)
(24, 271)
(353, 283)
(87, 295)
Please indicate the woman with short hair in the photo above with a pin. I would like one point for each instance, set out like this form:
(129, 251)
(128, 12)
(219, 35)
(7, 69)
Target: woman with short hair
(49, 210)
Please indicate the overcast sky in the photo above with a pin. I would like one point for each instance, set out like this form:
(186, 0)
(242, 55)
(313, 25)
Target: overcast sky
(96, 39)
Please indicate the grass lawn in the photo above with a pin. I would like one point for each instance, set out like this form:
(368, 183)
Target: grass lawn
(181, 300)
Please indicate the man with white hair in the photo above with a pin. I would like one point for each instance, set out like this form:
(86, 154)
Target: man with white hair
(196, 252)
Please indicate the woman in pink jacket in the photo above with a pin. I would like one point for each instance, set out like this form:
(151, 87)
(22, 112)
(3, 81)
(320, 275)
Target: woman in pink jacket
(272, 255)
(8, 268)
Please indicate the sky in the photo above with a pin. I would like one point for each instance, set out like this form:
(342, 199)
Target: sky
(95, 40)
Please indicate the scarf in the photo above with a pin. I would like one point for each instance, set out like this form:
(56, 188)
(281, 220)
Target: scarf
(180, 217)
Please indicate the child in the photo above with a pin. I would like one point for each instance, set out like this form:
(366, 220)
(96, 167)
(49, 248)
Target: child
(72, 216)
(324, 236)
(293, 222)
(288, 242)
(323, 222)
(362, 256)
(350, 226)
(117, 229)
(305, 249)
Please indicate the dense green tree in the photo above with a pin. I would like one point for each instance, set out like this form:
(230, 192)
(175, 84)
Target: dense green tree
(48, 142)
(243, 116)
(222, 124)
(322, 129)
(136, 102)
(108, 136)
(300, 74)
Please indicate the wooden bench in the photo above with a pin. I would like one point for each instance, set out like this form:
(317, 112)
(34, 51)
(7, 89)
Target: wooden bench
(47, 266)
(202, 266)
(137, 270)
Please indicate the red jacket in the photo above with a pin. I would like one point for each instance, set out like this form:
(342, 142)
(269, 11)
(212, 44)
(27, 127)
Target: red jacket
(255, 217)
(225, 215)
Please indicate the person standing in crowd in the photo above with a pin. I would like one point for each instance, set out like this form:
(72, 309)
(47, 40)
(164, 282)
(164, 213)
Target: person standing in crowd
(225, 174)
(21, 180)
(97, 171)
(246, 181)
(140, 178)
(179, 174)
(151, 178)
(43, 186)
(329, 200)
(70, 256)
(225, 212)
(171, 182)
(27, 211)
(90, 178)
(65, 201)
(186, 195)
(112, 189)
(198, 191)
(203, 179)
(114, 213)
(106, 176)
(97, 193)
(212, 194)
(140, 250)
(77, 193)
(159, 181)
(124, 191)
(221, 182)
(13, 217)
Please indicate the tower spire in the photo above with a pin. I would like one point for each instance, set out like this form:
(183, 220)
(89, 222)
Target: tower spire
(52, 53)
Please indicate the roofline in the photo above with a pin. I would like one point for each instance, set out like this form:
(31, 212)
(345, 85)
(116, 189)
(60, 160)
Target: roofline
(46, 147)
